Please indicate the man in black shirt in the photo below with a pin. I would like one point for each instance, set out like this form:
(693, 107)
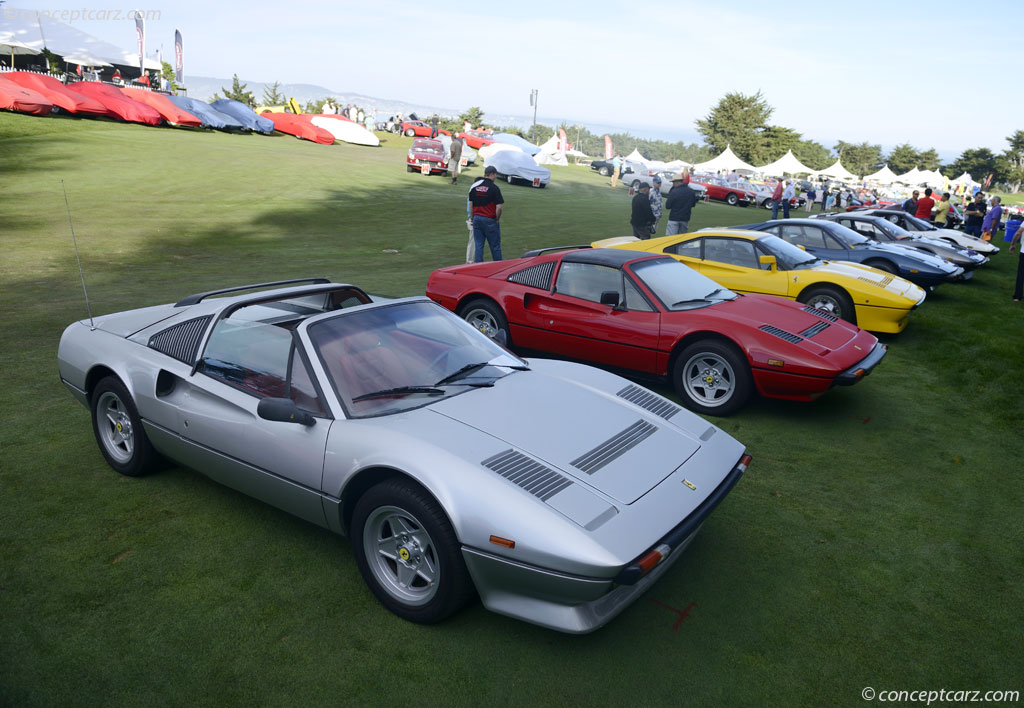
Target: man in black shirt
(487, 203)
(642, 217)
(680, 202)
(975, 213)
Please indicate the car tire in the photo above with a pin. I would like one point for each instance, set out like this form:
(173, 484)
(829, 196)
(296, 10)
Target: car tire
(767, 203)
(712, 377)
(604, 171)
(408, 553)
(636, 184)
(831, 300)
(731, 199)
(410, 133)
(118, 429)
(508, 178)
(410, 168)
(486, 316)
(543, 185)
(884, 266)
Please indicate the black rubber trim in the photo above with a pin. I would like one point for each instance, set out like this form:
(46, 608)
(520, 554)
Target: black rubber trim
(868, 363)
(199, 297)
(633, 572)
(541, 251)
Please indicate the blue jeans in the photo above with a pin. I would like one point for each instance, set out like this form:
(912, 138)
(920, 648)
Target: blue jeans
(973, 230)
(485, 227)
(785, 209)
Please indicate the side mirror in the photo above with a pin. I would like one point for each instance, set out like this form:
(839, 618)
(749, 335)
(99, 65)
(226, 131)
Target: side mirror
(610, 298)
(769, 261)
(283, 410)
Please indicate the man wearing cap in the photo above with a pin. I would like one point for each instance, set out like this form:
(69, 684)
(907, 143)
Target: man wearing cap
(642, 217)
(680, 202)
(656, 207)
(486, 201)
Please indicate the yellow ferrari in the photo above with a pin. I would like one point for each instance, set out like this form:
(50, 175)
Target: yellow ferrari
(753, 262)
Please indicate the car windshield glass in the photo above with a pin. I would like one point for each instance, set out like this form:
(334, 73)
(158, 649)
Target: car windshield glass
(848, 236)
(787, 255)
(390, 359)
(915, 224)
(678, 286)
(894, 230)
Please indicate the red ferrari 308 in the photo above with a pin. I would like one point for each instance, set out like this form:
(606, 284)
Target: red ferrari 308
(654, 315)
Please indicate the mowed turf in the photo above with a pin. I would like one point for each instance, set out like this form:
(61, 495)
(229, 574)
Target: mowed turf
(875, 541)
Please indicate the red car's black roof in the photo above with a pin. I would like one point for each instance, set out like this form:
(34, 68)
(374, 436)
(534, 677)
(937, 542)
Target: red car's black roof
(614, 257)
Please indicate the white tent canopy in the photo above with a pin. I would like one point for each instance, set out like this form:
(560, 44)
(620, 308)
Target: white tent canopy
(552, 152)
(726, 161)
(883, 176)
(911, 177)
(635, 156)
(965, 178)
(933, 178)
(37, 30)
(838, 171)
(785, 165)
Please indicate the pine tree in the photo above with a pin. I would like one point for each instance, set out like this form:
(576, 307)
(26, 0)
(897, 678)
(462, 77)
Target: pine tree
(237, 92)
(272, 95)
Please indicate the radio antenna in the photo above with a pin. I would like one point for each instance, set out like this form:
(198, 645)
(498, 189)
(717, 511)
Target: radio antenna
(77, 257)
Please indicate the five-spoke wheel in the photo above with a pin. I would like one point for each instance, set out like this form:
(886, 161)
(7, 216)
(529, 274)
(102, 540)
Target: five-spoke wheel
(118, 429)
(711, 377)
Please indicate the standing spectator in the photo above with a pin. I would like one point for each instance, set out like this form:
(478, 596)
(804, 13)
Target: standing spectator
(680, 202)
(776, 199)
(824, 196)
(642, 218)
(369, 122)
(656, 207)
(733, 177)
(616, 168)
(454, 162)
(925, 205)
(975, 215)
(990, 225)
(487, 205)
(788, 194)
(433, 133)
(471, 245)
(810, 198)
(360, 116)
(942, 211)
(910, 205)
(1018, 288)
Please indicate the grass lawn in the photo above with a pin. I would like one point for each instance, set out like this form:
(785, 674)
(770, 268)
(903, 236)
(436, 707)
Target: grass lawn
(875, 541)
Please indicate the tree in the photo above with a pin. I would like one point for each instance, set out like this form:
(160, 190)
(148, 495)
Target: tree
(980, 163)
(813, 154)
(316, 106)
(773, 143)
(472, 115)
(738, 121)
(272, 95)
(237, 92)
(903, 158)
(929, 159)
(1014, 157)
(859, 158)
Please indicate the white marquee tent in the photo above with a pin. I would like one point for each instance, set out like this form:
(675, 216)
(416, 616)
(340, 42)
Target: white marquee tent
(726, 161)
(965, 178)
(933, 178)
(36, 29)
(551, 153)
(838, 171)
(785, 165)
(635, 156)
(883, 176)
(911, 177)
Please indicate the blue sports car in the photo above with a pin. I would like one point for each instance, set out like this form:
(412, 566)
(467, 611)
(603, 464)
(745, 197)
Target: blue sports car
(833, 242)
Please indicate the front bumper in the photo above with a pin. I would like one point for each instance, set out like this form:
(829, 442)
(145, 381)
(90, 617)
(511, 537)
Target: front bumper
(863, 367)
(577, 604)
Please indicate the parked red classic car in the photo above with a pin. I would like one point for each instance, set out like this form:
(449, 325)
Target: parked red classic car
(652, 314)
(427, 157)
(476, 139)
(719, 189)
(417, 128)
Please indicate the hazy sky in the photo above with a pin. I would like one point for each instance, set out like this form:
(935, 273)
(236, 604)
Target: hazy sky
(934, 74)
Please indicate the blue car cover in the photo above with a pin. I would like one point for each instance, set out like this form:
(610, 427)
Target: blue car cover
(244, 115)
(210, 116)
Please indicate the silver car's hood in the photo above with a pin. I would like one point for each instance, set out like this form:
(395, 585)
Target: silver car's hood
(614, 447)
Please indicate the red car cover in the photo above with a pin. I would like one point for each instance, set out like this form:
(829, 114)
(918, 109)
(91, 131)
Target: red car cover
(300, 127)
(163, 105)
(18, 98)
(118, 104)
(57, 93)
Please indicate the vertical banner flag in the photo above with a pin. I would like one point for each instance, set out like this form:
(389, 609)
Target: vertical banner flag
(140, 30)
(608, 148)
(564, 142)
(179, 59)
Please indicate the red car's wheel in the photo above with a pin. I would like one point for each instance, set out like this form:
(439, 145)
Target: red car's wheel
(712, 377)
(410, 133)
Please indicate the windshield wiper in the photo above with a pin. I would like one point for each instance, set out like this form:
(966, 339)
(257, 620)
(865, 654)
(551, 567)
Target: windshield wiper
(712, 293)
(460, 373)
(399, 391)
(692, 301)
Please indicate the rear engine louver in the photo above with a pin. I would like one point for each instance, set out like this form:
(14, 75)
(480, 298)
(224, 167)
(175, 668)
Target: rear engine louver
(537, 479)
(614, 447)
(815, 329)
(782, 334)
(538, 276)
(648, 401)
(821, 313)
(182, 340)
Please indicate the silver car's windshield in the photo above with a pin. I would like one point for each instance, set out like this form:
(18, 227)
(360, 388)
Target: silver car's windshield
(787, 255)
(390, 359)
(915, 224)
(678, 286)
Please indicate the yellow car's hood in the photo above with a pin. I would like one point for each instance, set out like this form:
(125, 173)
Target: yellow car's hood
(865, 275)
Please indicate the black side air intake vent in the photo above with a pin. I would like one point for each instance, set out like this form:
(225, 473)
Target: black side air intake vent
(538, 276)
(182, 340)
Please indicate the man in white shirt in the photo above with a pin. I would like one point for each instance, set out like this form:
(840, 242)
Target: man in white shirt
(787, 198)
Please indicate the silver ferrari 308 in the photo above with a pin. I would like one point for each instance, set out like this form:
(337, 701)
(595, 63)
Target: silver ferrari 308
(557, 492)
